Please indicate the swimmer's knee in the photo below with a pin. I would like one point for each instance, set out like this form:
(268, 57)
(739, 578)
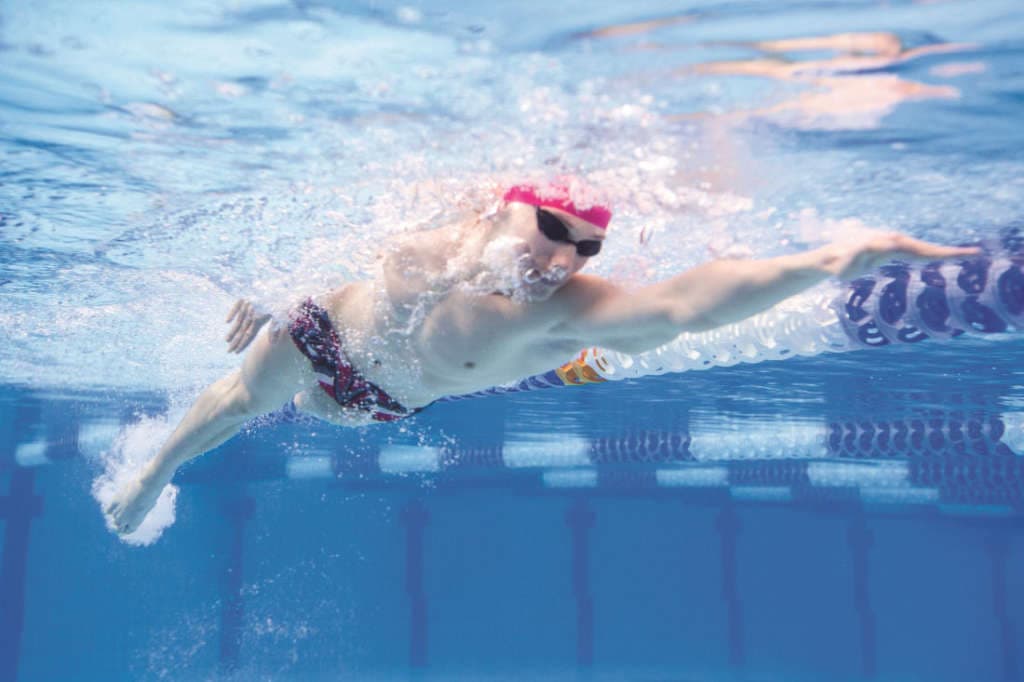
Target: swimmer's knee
(272, 357)
(275, 345)
(241, 405)
(232, 398)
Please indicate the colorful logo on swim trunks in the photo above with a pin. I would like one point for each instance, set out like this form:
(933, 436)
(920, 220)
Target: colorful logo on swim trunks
(577, 372)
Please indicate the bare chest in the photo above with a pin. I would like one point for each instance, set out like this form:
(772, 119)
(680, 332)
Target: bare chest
(467, 344)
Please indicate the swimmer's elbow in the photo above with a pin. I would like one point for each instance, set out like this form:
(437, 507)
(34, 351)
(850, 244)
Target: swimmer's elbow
(685, 318)
(654, 329)
(641, 322)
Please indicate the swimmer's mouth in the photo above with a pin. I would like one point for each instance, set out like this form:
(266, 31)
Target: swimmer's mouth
(533, 284)
(551, 277)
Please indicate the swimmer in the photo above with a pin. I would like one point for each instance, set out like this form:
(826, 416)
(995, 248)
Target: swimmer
(473, 305)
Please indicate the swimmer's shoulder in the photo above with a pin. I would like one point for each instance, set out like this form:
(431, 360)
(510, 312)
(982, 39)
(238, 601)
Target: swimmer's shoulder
(410, 263)
(584, 290)
(339, 301)
(579, 294)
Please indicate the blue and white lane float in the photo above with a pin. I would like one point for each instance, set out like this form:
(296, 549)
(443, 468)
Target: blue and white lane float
(954, 434)
(957, 458)
(970, 458)
(969, 433)
(899, 305)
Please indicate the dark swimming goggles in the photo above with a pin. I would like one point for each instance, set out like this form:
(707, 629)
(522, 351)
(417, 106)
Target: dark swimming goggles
(555, 230)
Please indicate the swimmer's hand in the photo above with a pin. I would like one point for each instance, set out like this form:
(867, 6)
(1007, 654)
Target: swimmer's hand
(248, 321)
(132, 503)
(852, 259)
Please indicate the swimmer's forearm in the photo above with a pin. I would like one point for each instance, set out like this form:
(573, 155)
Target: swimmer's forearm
(725, 291)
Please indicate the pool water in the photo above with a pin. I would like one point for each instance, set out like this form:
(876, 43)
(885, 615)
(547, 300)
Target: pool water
(836, 516)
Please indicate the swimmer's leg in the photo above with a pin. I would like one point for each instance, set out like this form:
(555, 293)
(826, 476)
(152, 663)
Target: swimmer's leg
(315, 403)
(272, 372)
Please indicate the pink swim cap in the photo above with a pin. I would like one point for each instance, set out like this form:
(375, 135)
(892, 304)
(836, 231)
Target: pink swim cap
(557, 195)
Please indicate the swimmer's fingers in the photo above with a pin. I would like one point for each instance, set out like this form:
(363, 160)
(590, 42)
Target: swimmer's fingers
(248, 320)
(908, 248)
(902, 246)
(240, 336)
(235, 309)
(233, 342)
(242, 316)
(880, 249)
(245, 335)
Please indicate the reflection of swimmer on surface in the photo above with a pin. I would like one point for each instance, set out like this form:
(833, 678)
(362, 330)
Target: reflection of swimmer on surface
(843, 94)
(636, 27)
(473, 305)
(844, 91)
(855, 51)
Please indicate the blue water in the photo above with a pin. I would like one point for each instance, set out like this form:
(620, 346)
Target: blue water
(841, 517)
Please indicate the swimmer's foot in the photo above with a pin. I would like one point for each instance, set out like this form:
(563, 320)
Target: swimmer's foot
(132, 503)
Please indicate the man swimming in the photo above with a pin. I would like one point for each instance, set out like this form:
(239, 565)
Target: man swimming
(474, 305)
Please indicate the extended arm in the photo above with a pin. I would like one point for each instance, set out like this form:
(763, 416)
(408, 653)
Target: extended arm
(726, 291)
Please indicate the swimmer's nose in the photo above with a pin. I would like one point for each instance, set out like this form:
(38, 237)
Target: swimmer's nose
(563, 257)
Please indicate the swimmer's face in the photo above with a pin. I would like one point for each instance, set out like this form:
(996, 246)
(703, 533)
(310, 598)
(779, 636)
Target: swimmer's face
(558, 245)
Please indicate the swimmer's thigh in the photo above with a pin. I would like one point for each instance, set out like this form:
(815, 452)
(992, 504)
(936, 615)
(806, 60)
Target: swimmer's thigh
(274, 370)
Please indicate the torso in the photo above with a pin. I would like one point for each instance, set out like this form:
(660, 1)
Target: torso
(420, 339)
